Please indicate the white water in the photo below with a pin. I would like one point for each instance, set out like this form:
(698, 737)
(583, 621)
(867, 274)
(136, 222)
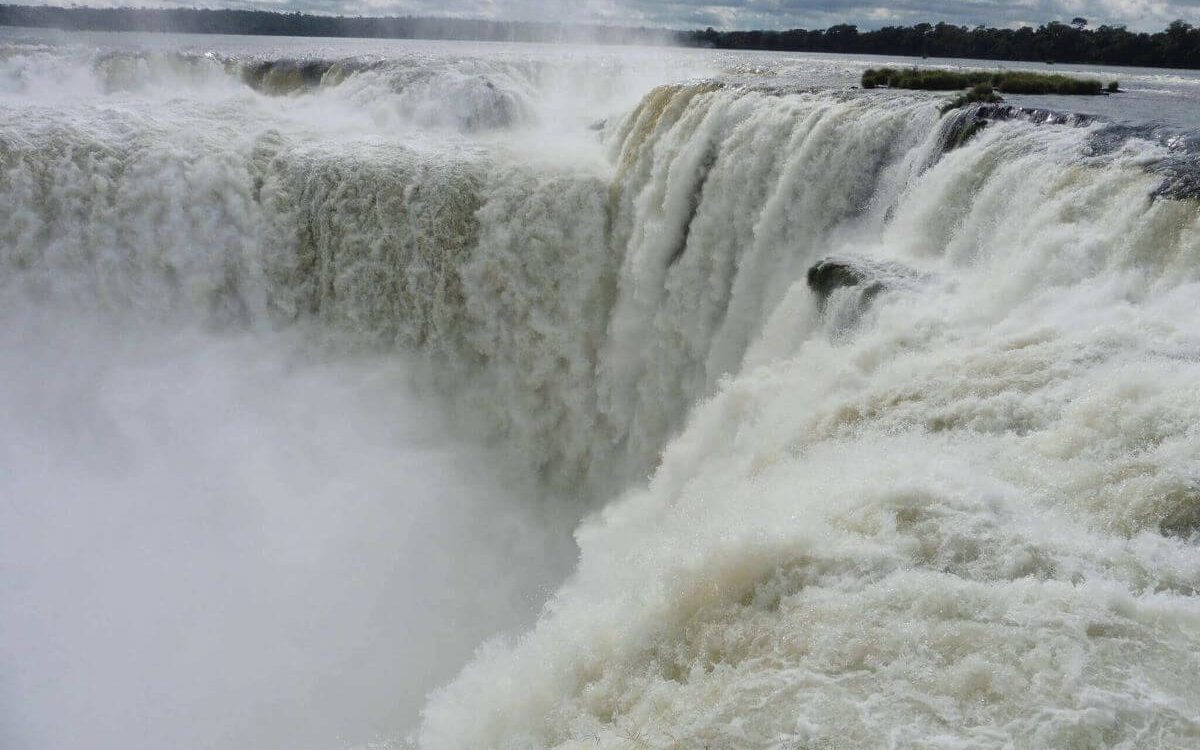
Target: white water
(220, 542)
(964, 516)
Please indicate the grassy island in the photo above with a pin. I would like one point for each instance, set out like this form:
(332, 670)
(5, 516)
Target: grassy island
(1005, 82)
(981, 94)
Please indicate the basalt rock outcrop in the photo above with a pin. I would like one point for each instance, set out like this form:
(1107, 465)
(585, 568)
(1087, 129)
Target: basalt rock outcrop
(869, 278)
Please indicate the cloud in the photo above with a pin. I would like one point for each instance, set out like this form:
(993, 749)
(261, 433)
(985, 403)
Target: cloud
(747, 14)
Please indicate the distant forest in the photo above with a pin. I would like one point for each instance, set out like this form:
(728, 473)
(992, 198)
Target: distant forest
(269, 23)
(1176, 47)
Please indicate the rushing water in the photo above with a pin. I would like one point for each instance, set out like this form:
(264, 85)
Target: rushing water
(314, 353)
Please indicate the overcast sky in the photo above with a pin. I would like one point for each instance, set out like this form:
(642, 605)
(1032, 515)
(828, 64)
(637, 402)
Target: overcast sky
(744, 14)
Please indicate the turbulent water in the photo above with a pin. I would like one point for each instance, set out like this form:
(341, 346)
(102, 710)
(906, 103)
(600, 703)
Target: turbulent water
(312, 354)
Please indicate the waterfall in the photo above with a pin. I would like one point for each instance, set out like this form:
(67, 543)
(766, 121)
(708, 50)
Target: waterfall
(881, 420)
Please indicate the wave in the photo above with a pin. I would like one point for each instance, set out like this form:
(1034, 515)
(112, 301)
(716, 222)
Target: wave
(953, 510)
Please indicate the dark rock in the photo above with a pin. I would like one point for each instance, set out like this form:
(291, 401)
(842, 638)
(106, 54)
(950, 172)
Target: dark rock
(870, 277)
(1182, 516)
(1179, 166)
(829, 274)
(863, 281)
(967, 121)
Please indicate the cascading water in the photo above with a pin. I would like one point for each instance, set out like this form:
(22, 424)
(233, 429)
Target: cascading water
(940, 491)
(966, 521)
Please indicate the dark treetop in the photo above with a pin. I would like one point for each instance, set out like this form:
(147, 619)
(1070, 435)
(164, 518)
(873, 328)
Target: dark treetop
(1176, 47)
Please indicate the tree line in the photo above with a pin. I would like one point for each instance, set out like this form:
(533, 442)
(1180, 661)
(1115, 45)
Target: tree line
(271, 23)
(1178, 46)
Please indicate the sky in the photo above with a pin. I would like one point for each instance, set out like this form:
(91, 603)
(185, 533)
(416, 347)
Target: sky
(1150, 15)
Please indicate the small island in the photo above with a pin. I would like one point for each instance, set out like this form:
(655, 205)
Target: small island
(1006, 82)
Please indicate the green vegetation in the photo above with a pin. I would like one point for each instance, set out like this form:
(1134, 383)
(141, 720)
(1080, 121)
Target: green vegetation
(1006, 82)
(1040, 83)
(1113, 87)
(981, 94)
(1178, 46)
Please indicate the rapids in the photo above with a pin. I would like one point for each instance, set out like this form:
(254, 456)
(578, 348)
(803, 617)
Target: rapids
(350, 337)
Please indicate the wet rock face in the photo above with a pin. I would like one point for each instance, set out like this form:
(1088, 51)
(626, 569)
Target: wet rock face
(1179, 167)
(1181, 512)
(1035, 115)
(871, 277)
(280, 77)
(865, 281)
(1181, 179)
(831, 273)
(968, 121)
